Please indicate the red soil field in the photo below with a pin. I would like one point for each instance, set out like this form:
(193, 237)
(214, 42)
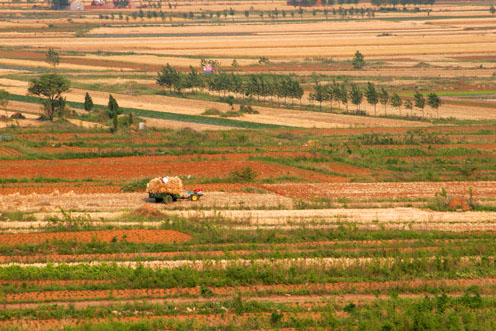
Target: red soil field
(252, 290)
(150, 166)
(87, 188)
(135, 235)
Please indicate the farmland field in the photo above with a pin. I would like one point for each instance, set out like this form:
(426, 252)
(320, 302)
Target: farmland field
(321, 210)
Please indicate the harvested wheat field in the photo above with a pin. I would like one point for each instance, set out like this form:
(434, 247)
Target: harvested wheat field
(330, 166)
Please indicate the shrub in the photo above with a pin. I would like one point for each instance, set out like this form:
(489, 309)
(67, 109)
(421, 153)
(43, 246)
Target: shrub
(245, 174)
(212, 111)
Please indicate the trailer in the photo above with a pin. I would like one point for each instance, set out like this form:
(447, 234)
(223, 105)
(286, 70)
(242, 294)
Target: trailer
(170, 197)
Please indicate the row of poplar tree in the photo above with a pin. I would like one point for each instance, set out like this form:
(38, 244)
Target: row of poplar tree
(263, 86)
(342, 94)
(257, 85)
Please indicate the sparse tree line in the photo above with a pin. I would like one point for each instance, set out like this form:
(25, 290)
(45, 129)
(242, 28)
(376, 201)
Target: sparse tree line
(404, 3)
(229, 14)
(354, 94)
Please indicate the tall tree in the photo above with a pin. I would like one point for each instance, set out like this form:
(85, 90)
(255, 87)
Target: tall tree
(343, 95)
(356, 95)
(434, 102)
(419, 101)
(50, 86)
(358, 60)
(113, 109)
(409, 105)
(318, 94)
(52, 58)
(372, 96)
(384, 99)
(396, 101)
(88, 102)
(329, 93)
(170, 78)
(193, 79)
(114, 112)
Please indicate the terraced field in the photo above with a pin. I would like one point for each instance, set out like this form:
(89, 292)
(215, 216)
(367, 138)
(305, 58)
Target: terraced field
(326, 229)
(317, 214)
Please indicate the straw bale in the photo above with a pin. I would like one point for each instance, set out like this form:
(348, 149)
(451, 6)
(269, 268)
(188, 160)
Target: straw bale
(173, 185)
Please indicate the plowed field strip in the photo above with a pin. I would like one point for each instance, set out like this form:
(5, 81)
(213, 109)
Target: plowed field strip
(125, 168)
(8, 151)
(365, 191)
(47, 282)
(461, 227)
(308, 301)
(191, 255)
(136, 235)
(212, 320)
(322, 262)
(299, 300)
(364, 215)
(47, 188)
(254, 290)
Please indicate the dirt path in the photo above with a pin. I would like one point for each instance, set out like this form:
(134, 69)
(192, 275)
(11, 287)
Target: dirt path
(131, 201)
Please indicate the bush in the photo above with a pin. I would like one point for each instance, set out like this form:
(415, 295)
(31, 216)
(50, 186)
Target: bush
(247, 109)
(212, 111)
(245, 174)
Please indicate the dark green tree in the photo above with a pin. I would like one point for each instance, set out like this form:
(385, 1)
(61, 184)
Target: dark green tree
(409, 105)
(358, 61)
(434, 102)
(194, 80)
(88, 102)
(356, 96)
(113, 107)
(50, 86)
(419, 101)
(384, 99)
(396, 101)
(170, 78)
(113, 111)
(52, 58)
(372, 96)
(318, 94)
(343, 95)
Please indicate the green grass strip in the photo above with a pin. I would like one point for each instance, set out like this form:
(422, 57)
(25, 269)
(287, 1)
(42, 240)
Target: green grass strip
(165, 115)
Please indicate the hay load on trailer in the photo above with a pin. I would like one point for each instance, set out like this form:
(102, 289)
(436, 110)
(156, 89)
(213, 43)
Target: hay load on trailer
(171, 185)
(168, 189)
